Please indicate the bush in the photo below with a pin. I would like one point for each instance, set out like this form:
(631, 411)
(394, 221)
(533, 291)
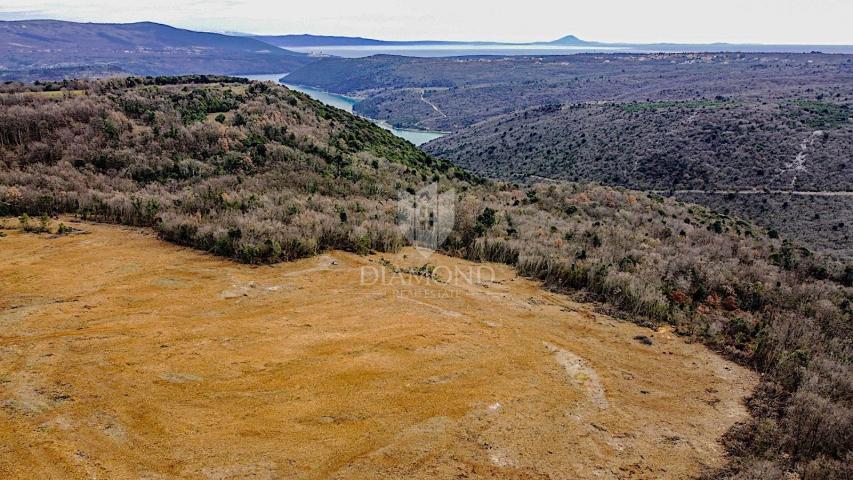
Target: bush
(26, 224)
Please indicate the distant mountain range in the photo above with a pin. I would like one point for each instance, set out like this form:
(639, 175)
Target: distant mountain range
(308, 41)
(323, 41)
(51, 49)
(317, 41)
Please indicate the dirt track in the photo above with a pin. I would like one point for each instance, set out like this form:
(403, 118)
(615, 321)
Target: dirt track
(125, 357)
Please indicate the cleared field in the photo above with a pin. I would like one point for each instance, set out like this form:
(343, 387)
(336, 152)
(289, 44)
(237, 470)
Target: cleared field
(122, 356)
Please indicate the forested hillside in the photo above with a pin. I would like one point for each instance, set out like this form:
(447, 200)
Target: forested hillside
(54, 50)
(690, 148)
(469, 90)
(258, 173)
(246, 170)
(705, 145)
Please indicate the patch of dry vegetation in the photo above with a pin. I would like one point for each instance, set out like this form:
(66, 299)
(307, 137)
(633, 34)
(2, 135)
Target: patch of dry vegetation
(763, 301)
(821, 222)
(277, 176)
(281, 176)
(311, 372)
(709, 145)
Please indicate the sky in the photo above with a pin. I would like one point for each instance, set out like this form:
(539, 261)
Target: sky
(683, 21)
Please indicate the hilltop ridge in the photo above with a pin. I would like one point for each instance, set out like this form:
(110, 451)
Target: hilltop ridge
(54, 49)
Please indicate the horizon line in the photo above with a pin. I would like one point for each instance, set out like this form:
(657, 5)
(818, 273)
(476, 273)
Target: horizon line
(436, 40)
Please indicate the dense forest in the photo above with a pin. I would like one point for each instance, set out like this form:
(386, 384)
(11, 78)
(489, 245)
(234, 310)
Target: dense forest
(259, 173)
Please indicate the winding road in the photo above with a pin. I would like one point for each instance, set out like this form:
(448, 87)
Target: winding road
(434, 106)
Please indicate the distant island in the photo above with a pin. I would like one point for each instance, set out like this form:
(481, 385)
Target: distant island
(308, 41)
(317, 41)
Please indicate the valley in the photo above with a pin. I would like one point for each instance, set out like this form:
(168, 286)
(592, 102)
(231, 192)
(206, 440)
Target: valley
(210, 277)
(540, 240)
(415, 136)
(702, 126)
(785, 165)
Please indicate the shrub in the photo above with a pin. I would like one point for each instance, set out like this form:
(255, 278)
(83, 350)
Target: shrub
(26, 224)
(485, 221)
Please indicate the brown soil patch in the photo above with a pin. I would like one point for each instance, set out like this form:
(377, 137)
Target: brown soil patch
(125, 357)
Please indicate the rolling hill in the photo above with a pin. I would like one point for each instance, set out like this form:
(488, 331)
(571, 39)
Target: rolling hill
(258, 173)
(785, 164)
(50, 49)
(721, 144)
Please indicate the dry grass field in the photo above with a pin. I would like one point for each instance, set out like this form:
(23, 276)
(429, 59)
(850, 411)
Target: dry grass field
(122, 356)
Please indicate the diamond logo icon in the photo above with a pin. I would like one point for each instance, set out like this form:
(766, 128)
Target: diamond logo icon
(426, 217)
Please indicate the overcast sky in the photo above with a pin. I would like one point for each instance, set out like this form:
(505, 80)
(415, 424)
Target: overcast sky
(685, 21)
